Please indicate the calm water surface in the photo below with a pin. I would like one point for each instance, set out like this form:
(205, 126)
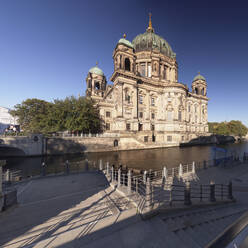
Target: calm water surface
(139, 159)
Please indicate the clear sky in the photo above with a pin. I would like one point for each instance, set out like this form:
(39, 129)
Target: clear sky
(48, 46)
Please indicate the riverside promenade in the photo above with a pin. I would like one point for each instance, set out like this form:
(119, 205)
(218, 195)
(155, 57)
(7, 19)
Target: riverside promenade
(83, 210)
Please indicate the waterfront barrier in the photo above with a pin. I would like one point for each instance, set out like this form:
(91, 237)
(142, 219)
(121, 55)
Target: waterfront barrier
(163, 189)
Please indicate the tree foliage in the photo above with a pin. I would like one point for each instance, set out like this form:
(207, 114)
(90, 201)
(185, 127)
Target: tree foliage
(236, 128)
(72, 114)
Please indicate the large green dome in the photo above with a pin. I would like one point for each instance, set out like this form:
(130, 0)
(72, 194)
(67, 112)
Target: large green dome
(150, 41)
(96, 70)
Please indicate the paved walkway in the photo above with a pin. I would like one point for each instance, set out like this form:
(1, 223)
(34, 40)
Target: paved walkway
(83, 211)
(57, 210)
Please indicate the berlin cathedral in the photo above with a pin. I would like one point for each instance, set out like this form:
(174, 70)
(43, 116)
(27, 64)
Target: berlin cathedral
(146, 100)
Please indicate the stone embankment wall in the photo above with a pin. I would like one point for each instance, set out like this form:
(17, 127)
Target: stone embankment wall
(32, 145)
(55, 146)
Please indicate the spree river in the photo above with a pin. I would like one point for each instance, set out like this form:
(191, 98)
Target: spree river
(138, 159)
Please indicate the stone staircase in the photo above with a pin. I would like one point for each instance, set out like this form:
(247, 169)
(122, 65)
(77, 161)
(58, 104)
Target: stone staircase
(195, 228)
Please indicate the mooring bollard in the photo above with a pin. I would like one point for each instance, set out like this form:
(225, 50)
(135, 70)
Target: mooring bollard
(129, 181)
(230, 194)
(212, 191)
(119, 178)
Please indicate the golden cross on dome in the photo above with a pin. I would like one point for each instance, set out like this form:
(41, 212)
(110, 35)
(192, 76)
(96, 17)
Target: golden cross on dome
(124, 36)
(96, 63)
(150, 28)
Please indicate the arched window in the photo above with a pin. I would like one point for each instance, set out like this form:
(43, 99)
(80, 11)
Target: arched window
(196, 91)
(127, 64)
(202, 92)
(115, 143)
(97, 86)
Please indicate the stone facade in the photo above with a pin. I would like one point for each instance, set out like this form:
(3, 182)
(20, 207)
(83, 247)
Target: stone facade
(146, 100)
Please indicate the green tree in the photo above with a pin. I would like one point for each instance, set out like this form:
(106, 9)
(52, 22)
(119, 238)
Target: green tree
(32, 115)
(83, 115)
(73, 114)
(235, 128)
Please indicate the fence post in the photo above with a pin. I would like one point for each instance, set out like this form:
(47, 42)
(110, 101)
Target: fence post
(112, 174)
(129, 181)
(107, 169)
(2, 163)
(187, 197)
(43, 166)
(215, 162)
(100, 165)
(67, 167)
(180, 173)
(201, 193)
(212, 191)
(119, 178)
(193, 167)
(230, 195)
(204, 164)
(137, 185)
(148, 194)
(86, 164)
(165, 173)
(144, 176)
(8, 176)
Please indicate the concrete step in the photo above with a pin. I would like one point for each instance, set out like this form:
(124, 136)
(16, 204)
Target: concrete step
(186, 238)
(170, 239)
(199, 236)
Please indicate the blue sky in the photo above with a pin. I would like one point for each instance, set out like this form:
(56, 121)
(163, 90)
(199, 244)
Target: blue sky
(48, 46)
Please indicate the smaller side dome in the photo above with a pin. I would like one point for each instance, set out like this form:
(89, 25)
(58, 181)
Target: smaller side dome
(96, 70)
(199, 77)
(126, 42)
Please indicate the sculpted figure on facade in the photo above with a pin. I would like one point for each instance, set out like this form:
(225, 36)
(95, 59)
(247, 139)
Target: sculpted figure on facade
(146, 100)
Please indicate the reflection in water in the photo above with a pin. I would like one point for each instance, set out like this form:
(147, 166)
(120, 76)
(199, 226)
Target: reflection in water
(140, 159)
